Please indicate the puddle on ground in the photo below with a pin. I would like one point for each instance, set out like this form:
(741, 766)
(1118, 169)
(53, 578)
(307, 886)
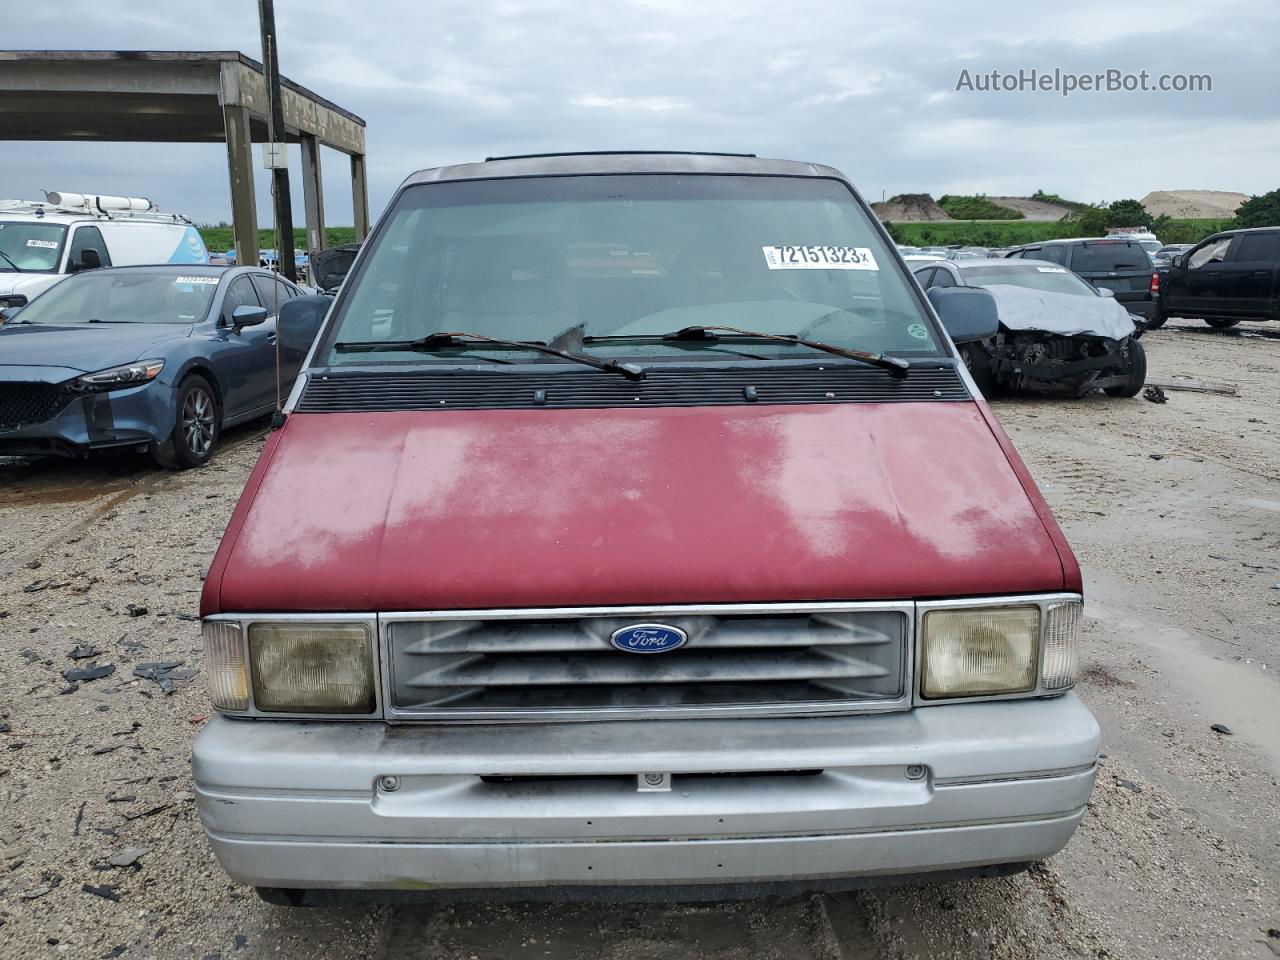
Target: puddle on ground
(49, 482)
(1235, 692)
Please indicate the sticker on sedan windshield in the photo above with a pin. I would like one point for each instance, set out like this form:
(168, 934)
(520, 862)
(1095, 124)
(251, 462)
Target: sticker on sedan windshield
(1052, 269)
(918, 331)
(47, 244)
(195, 280)
(819, 258)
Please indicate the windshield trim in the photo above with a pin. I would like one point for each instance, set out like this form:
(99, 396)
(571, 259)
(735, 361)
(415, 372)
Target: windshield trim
(323, 344)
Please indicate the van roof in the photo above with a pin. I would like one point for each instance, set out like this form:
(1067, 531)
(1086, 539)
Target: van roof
(605, 162)
(51, 213)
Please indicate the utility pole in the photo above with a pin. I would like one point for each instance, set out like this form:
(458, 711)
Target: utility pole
(276, 134)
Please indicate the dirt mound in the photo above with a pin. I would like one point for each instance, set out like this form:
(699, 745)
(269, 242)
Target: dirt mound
(1032, 209)
(909, 206)
(1193, 204)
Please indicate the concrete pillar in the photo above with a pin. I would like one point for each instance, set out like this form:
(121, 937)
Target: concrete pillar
(359, 196)
(312, 194)
(244, 211)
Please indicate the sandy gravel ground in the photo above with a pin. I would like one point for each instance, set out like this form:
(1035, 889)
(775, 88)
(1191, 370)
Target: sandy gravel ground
(1173, 509)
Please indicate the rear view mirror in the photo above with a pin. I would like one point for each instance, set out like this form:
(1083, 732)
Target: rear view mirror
(300, 320)
(967, 313)
(1180, 261)
(1107, 292)
(247, 316)
(90, 259)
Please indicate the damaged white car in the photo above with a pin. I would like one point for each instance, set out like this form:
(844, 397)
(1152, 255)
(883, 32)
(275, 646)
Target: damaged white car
(1058, 334)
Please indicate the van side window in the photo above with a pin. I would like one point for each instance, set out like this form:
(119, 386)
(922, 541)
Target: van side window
(1256, 248)
(239, 294)
(943, 278)
(1215, 251)
(87, 238)
(1056, 254)
(925, 277)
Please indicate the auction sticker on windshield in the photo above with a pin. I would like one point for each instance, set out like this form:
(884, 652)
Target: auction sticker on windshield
(1052, 269)
(823, 257)
(47, 244)
(195, 279)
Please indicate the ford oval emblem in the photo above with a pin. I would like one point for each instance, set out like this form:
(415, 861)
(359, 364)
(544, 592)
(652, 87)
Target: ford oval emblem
(648, 638)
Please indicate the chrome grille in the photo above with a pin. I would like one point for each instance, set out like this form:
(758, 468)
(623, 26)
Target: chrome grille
(561, 665)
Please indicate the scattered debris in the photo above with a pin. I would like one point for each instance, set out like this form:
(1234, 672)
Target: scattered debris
(83, 651)
(128, 856)
(47, 584)
(136, 610)
(1156, 456)
(49, 881)
(166, 673)
(1197, 386)
(85, 674)
(1128, 785)
(149, 812)
(75, 831)
(32, 564)
(106, 891)
(1221, 728)
(1154, 394)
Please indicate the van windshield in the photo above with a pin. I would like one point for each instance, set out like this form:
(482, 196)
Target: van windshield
(29, 246)
(625, 259)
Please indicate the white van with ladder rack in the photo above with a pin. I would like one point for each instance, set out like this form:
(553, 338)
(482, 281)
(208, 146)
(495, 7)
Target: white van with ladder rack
(41, 242)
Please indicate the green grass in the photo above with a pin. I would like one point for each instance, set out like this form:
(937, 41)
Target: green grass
(976, 208)
(220, 238)
(1003, 234)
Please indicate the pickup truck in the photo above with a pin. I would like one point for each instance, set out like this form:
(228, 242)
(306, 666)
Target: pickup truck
(635, 530)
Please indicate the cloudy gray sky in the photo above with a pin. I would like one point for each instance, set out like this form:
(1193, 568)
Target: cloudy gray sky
(866, 86)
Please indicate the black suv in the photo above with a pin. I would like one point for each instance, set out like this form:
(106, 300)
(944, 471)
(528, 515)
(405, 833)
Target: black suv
(1109, 263)
(1227, 278)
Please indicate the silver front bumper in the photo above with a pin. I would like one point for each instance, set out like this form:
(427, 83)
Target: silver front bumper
(298, 804)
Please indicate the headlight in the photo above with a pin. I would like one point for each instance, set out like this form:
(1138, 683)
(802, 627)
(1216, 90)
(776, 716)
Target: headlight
(130, 375)
(979, 651)
(290, 667)
(311, 668)
(997, 650)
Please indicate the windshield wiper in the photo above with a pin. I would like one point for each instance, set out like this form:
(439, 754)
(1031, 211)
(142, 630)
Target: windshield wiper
(436, 341)
(897, 367)
(9, 260)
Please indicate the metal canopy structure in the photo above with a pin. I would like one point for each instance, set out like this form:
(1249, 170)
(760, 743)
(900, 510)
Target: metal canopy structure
(161, 96)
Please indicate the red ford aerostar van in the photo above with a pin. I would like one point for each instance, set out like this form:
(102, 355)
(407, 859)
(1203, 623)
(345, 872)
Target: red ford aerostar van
(633, 524)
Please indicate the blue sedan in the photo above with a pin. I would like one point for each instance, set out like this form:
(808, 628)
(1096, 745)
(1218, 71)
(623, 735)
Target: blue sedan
(161, 359)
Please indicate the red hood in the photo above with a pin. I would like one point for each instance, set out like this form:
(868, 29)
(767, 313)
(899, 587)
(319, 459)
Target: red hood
(535, 508)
